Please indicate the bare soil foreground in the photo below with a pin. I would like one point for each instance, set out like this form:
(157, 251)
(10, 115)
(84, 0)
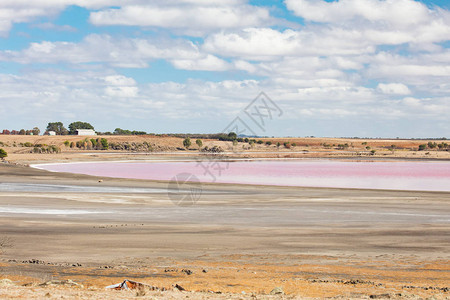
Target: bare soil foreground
(69, 236)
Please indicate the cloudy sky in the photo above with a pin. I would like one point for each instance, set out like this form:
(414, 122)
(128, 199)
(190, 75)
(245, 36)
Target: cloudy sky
(368, 68)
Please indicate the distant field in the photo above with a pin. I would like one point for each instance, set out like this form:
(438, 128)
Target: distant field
(17, 149)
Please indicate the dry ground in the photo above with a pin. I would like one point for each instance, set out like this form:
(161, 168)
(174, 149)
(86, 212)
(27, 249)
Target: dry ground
(306, 148)
(239, 242)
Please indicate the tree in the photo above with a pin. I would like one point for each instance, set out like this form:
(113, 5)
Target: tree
(120, 131)
(79, 125)
(22, 132)
(36, 131)
(199, 143)
(3, 153)
(57, 127)
(187, 143)
(232, 136)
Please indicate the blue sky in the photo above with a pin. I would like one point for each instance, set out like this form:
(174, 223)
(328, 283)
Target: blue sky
(368, 68)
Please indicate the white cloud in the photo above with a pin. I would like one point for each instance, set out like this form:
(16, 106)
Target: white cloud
(120, 52)
(268, 44)
(390, 22)
(393, 88)
(396, 12)
(208, 63)
(194, 17)
(51, 26)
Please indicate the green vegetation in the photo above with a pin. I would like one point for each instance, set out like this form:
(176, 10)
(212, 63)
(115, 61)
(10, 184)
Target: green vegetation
(46, 149)
(104, 143)
(432, 145)
(57, 127)
(228, 137)
(66, 143)
(187, 143)
(422, 147)
(199, 143)
(3, 153)
(79, 125)
(120, 131)
(268, 143)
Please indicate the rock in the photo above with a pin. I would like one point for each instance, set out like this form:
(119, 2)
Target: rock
(205, 271)
(187, 271)
(6, 282)
(179, 287)
(277, 291)
(381, 296)
(67, 282)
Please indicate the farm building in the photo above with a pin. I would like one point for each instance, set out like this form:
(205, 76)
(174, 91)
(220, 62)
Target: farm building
(86, 132)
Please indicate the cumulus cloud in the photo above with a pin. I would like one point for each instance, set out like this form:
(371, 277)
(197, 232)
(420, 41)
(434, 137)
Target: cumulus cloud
(194, 17)
(119, 52)
(394, 88)
(383, 21)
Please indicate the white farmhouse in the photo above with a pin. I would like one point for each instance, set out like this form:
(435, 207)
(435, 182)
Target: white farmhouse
(86, 132)
(51, 132)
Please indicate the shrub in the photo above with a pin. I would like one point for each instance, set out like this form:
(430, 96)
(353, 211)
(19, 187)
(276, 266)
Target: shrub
(260, 142)
(199, 143)
(187, 143)
(3, 153)
(104, 143)
(372, 152)
(287, 145)
(268, 143)
(28, 144)
(294, 144)
(422, 147)
(67, 143)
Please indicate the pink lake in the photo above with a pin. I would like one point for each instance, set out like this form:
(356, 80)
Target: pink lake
(392, 175)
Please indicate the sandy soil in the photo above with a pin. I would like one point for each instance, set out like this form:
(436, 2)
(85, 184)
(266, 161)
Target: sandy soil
(236, 242)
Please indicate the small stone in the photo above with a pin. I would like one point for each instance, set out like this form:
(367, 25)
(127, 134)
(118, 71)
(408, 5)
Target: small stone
(277, 291)
(6, 282)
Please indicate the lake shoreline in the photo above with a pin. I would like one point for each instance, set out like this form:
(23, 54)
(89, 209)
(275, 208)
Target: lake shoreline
(222, 234)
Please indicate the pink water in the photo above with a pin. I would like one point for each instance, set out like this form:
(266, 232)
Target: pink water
(410, 175)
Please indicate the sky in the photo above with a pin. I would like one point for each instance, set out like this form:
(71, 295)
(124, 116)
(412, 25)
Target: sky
(346, 68)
